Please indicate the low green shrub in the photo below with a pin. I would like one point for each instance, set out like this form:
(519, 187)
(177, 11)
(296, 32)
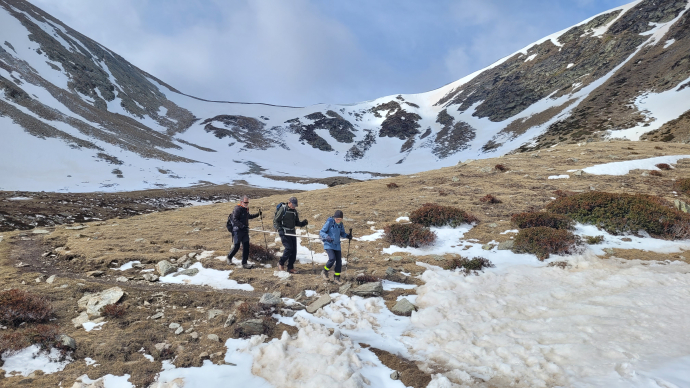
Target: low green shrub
(544, 241)
(625, 213)
(431, 214)
(682, 186)
(17, 306)
(551, 220)
(470, 266)
(409, 235)
(593, 240)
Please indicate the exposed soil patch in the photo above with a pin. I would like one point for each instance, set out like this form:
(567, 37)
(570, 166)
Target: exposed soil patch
(410, 375)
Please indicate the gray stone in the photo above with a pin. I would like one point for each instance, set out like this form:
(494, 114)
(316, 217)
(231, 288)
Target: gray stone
(231, 319)
(174, 325)
(121, 279)
(40, 231)
(438, 258)
(322, 301)
(487, 247)
(157, 316)
(645, 173)
(164, 267)
(179, 330)
(493, 225)
(579, 173)
(213, 337)
(345, 288)
(390, 271)
(194, 335)
(288, 312)
(396, 258)
(151, 277)
(214, 313)
(270, 300)
(369, 289)
(506, 245)
(161, 346)
(67, 341)
(301, 296)
(609, 251)
(681, 205)
(252, 326)
(93, 303)
(78, 227)
(403, 307)
(81, 319)
(188, 272)
(95, 274)
(395, 375)
(455, 179)
(51, 279)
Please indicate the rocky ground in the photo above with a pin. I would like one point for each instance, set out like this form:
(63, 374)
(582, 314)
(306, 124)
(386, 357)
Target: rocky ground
(187, 323)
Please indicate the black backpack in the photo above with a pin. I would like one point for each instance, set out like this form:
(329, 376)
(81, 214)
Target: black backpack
(277, 217)
(228, 224)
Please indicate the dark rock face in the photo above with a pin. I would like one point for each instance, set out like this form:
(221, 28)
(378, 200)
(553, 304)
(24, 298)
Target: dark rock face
(398, 123)
(307, 134)
(341, 129)
(246, 130)
(454, 137)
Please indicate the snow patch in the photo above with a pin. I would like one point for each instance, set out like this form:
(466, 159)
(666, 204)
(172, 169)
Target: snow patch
(207, 277)
(624, 167)
(32, 359)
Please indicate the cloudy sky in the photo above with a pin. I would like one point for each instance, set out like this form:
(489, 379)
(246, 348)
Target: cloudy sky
(301, 52)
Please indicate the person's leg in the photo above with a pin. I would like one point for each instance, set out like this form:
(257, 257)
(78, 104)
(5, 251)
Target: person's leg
(245, 249)
(338, 255)
(292, 256)
(329, 264)
(286, 245)
(235, 247)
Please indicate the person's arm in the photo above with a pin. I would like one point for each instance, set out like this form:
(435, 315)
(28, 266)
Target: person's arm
(237, 219)
(342, 231)
(299, 223)
(252, 216)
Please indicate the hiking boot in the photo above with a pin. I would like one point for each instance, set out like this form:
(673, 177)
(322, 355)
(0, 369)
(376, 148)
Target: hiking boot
(324, 274)
(336, 280)
(247, 266)
(281, 267)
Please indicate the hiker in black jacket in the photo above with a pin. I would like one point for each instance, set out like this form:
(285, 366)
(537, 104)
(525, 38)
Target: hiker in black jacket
(240, 230)
(286, 220)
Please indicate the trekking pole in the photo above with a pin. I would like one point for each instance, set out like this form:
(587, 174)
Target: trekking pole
(347, 258)
(310, 251)
(261, 217)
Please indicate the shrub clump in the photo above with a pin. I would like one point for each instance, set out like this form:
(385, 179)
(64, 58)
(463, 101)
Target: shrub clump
(501, 168)
(17, 306)
(392, 185)
(593, 240)
(663, 166)
(489, 199)
(544, 241)
(625, 213)
(431, 214)
(409, 235)
(470, 266)
(361, 279)
(682, 185)
(43, 335)
(261, 254)
(533, 219)
(655, 173)
(114, 311)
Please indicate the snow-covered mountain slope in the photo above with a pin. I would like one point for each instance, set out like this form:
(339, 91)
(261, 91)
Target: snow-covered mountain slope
(77, 117)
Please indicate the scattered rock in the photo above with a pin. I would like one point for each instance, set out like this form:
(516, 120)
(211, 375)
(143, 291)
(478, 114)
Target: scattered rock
(81, 319)
(230, 321)
(252, 327)
(95, 274)
(321, 302)
(179, 330)
(51, 279)
(93, 303)
(194, 335)
(78, 227)
(396, 258)
(204, 356)
(174, 325)
(579, 173)
(609, 251)
(40, 231)
(67, 341)
(151, 277)
(139, 240)
(213, 337)
(161, 346)
(439, 258)
(506, 245)
(288, 312)
(368, 289)
(493, 225)
(121, 279)
(487, 247)
(403, 307)
(301, 296)
(214, 313)
(395, 375)
(681, 205)
(645, 173)
(345, 288)
(164, 267)
(157, 316)
(390, 271)
(270, 300)
(188, 272)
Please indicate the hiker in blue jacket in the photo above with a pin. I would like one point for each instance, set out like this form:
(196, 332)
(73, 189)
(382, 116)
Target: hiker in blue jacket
(331, 233)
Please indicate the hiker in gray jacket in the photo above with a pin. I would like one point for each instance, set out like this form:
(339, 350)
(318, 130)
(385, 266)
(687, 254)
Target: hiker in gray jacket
(285, 221)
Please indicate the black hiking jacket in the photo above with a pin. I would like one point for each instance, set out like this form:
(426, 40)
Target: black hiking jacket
(289, 220)
(240, 219)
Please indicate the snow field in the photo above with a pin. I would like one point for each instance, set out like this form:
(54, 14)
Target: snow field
(32, 359)
(624, 167)
(207, 277)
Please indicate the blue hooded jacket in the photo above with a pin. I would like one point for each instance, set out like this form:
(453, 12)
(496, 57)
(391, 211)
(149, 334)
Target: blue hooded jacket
(336, 231)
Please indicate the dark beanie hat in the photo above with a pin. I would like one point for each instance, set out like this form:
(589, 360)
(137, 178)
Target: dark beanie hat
(338, 214)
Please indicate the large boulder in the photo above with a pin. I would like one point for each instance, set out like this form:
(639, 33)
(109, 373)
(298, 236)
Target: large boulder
(252, 327)
(321, 302)
(403, 307)
(369, 289)
(164, 267)
(188, 272)
(506, 245)
(270, 299)
(66, 341)
(93, 303)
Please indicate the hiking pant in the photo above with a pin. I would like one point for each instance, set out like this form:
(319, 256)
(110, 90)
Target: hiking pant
(290, 253)
(240, 237)
(334, 257)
